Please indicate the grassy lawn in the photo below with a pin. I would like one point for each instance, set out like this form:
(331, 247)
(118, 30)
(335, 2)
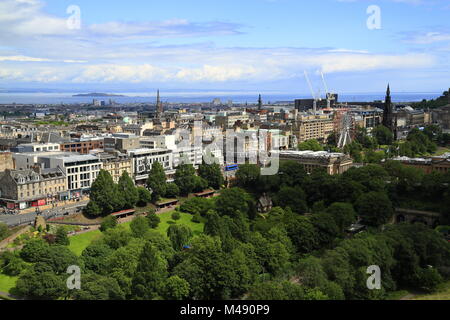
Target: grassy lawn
(79, 242)
(396, 295)
(441, 150)
(7, 282)
(443, 293)
(166, 221)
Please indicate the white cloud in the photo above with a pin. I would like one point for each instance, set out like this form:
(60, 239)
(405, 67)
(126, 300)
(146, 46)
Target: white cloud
(248, 65)
(45, 50)
(34, 59)
(429, 38)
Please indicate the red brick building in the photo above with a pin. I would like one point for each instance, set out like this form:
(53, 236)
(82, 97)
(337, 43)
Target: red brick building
(82, 147)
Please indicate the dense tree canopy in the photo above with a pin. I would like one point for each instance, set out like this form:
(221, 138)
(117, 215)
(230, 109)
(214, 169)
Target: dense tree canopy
(300, 249)
(157, 181)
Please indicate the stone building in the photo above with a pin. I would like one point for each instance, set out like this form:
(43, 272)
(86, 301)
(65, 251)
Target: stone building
(6, 161)
(116, 164)
(82, 146)
(437, 163)
(317, 127)
(20, 189)
(333, 163)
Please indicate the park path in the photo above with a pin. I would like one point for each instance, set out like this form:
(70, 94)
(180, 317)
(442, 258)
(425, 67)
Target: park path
(409, 296)
(120, 221)
(4, 243)
(8, 295)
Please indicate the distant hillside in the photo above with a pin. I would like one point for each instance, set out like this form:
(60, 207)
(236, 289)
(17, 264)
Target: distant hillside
(95, 94)
(434, 103)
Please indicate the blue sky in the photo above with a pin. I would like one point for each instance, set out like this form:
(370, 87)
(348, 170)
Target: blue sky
(229, 45)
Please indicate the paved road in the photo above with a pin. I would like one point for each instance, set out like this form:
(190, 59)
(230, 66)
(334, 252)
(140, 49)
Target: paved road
(27, 218)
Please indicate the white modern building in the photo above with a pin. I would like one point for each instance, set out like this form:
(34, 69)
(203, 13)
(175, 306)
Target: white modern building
(187, 155)
(81, 170)
(158, 142)
(36, 147)
(143, 160)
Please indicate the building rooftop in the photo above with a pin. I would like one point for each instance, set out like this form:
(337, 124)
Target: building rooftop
(146, 150)
(311, 154)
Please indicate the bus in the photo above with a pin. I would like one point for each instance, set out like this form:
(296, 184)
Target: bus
(231, 167)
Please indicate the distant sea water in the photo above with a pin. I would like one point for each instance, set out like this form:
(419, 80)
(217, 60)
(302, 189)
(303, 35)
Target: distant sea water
(202, 97)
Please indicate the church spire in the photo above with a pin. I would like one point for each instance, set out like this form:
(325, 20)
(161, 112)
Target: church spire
(259, 103)
(159, 106)
(388, 112)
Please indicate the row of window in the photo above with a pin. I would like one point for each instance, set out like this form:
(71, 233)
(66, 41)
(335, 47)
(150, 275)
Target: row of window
(40, 184)
(39, 192)
(84, 169)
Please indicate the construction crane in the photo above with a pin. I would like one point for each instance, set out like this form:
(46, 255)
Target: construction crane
(330, 95)
(312, 93)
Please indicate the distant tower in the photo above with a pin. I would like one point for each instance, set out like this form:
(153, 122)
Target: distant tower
(259, 103)
(159, 106)
(388, 113)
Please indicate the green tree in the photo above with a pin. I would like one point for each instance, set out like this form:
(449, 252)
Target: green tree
(11, 264)
(343, 214)
(104, 196)
(153, 220)
(179, 235)
(96, 287)
(301, 232)
(172, 190)
(213, 225)
(231, 201)
(374, 208)
(200, 184)
(144, 196)
(33, 250)
(58, 258)
(273, 290)
(312, 145)
(108, 223)
(117, 237)
(139, 227)
(273, 255)
(128, 191)
(176, 288)
(151, 273)
(40, 286)
(197, 205)
(185, 178)
(383, 135)
(326, 229)
(292, 173)
(157, 181)
(4, 231)
(248, 175)
(176, 215)
(213, 273)
(292, 197)
(95, 257)
(429, 279)
(363, 139)
(311, 272)
(61, 237)
(211, 173)
(93, 208)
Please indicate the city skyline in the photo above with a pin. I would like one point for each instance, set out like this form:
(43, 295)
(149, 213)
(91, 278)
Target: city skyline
(257, 45)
